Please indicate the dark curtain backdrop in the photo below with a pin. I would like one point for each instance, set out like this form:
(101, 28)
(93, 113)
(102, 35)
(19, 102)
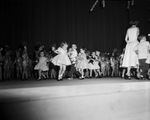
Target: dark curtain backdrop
(47, 22)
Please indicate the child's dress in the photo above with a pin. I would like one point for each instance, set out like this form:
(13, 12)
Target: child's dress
(42, 64)
(90, 63)
(93, 64)
(62, 58)
(96, 64)
(82, 61)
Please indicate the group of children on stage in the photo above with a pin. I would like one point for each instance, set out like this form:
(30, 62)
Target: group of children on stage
(78, 65)
(68, 63)
(56, 63)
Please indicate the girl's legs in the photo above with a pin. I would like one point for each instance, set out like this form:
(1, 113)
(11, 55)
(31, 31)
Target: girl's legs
(80, 70)
(96, 74)
(60, 72)
(123, 72)
(103, 71)
(112, 73)
(43, 74)
(91, 72)
(109, 71)
(47, 75)
(99, 73)
(40, 74)
(82, 73)
(87, 73)
(63, 70)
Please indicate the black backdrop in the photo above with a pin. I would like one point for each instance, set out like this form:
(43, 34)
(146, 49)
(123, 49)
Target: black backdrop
(47, 22)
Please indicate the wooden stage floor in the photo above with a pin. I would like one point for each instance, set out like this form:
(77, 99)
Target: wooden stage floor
(14, 84)
(46, 89)
(88, 99)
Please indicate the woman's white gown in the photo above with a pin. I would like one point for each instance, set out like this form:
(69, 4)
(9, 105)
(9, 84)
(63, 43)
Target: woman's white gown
(130, 58)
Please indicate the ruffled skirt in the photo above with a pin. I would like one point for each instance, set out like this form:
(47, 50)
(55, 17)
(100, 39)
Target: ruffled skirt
(41, 66)
(61, 60)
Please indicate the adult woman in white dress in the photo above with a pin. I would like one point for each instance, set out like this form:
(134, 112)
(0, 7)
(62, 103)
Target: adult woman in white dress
(130, 58)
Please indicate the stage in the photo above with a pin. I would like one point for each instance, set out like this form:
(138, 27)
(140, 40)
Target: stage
(88, 99)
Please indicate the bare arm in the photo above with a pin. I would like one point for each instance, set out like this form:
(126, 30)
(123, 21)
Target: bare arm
(57, 51)
(149, 47)
(136, 49)
(138, 32)
(127, 37)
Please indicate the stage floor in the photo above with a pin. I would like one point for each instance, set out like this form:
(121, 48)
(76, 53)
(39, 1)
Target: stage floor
(41, 100)
(16, 84)
(14, 91)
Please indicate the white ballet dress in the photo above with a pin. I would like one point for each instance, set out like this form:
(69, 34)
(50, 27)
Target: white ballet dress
(42, 64)
(130, 58)
(62, 58)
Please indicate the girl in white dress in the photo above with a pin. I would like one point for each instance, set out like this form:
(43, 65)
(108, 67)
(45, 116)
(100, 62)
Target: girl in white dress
(42, 65)
(130, 58)
(62, 60)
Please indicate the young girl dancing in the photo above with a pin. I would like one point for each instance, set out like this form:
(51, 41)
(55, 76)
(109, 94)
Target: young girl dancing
(62, 60)
(82, 62)
(42, 65)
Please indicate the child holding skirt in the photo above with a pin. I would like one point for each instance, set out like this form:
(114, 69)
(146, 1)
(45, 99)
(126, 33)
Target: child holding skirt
(62, 60)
